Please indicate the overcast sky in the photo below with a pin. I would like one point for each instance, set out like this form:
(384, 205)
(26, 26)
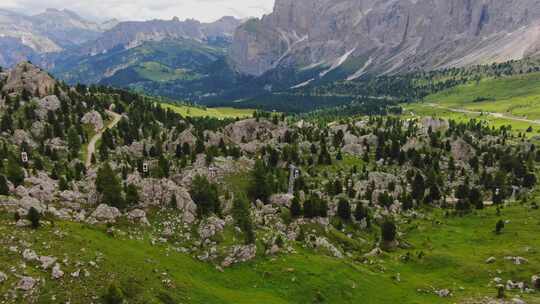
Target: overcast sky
(203, 10)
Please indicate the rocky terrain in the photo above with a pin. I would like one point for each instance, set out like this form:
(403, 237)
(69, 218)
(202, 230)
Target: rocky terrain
(347, 39)
(182, 198)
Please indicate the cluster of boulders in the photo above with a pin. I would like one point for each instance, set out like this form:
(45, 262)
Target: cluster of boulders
(239, 254)
(46, 262)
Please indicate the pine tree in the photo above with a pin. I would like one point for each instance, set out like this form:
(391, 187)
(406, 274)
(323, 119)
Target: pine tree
(309, 209)
(242, 218)
(132, 195)
(388, 231)
(260, 188)
(74, 141)
(63, 184)
(114, 295)
(14, 171)
(475, 197)
(418, 188)
(360, 212)
(296, 207)
(205, 195)
(499, 227)
(108, 184)
(344, 209)
(4, 189)
(34, 217)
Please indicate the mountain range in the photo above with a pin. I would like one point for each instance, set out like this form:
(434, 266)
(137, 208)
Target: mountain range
(301, 43)
(31, 37)
(308, 40)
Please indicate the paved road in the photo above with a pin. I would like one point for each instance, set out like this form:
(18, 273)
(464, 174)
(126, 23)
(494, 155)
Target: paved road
(493, 114)
(91, 149)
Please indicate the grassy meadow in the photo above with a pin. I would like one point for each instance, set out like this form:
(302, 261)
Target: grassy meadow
(219, 113)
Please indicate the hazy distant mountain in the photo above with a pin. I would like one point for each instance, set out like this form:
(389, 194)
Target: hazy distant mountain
(134, 33)
(162, 57)
(29, 37)
(306, 40)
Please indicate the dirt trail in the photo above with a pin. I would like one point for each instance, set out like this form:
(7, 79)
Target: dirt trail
(91, 149)
(493, 114)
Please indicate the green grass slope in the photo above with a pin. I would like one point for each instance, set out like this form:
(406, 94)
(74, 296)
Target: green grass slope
(219, 112)
(515, 95)
(454, 253)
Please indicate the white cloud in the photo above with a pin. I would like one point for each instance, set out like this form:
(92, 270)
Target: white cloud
(203, 10)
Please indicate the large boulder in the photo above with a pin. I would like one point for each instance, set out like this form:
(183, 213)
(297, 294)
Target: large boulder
(240, 254)
(30, 255)
(159, 192)
(138, 216)
(249, 130)
(46, 104)
(3, 277)
(26, 283)
(354, 149)
(27, 202)
(56, 144)
(282, 199)
(41, 187)
(93, 118)
(57, 273)
(461, 150)
(21, 136)
(187, 137)
(210, 227)
(436, 124)
(105, 213)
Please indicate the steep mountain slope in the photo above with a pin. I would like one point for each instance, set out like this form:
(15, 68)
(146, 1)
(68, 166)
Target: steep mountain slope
(349, 38)
(31, 37)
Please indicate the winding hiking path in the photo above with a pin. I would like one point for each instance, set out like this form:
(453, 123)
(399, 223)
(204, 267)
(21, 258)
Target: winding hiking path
(91, 149)
(493, 114)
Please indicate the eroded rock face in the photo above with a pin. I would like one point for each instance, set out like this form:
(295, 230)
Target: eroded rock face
(25, 76)
(382, 36)
(435, 124)
(93, 118)
(249, 130)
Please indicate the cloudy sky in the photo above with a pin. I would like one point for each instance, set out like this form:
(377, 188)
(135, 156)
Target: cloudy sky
(204, 10)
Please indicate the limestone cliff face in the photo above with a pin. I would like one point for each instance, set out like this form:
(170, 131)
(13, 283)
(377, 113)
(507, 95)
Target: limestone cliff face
(386, 36)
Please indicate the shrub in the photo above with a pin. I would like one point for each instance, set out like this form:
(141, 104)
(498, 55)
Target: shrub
(499, 226)
(388, 231)
(114, 295)
(34, 217)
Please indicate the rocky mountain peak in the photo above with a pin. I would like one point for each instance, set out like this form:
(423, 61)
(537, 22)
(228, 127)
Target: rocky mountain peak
(27, 77)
